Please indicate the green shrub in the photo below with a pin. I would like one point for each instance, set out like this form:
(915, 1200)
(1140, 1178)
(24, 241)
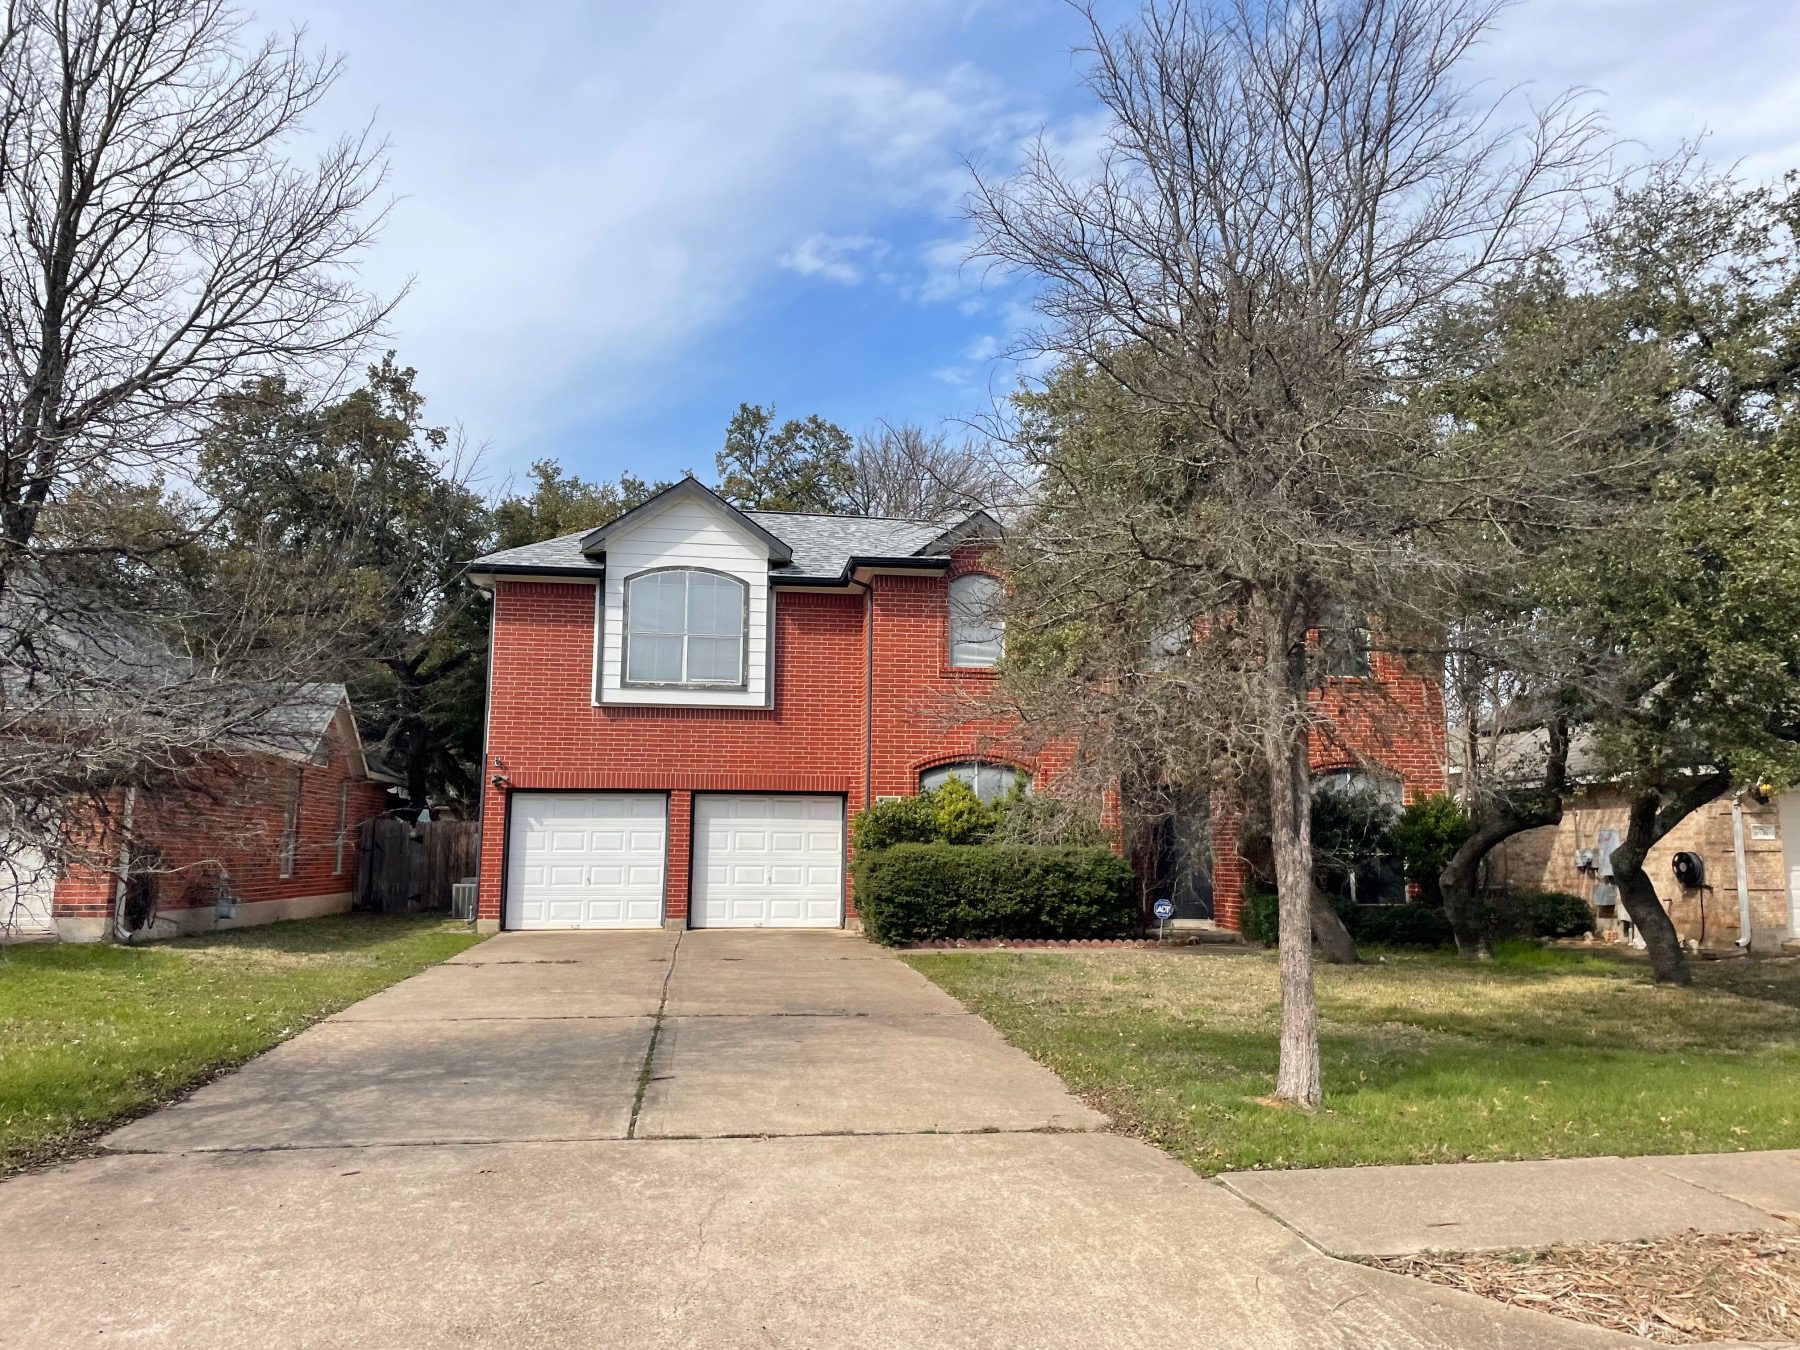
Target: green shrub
(1259, 920)
(950, 813)
(1537, 914)
(962, 817)
(926, 892)
(899, 820)
(1426, 836)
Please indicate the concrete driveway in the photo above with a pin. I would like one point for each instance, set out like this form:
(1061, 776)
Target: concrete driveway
(660, 1139)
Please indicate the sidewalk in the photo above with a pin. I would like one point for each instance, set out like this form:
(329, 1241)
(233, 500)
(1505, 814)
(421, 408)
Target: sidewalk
(1469, 1207)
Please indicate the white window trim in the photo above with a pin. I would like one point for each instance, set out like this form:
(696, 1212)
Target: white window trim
(343, 826)
(742, 679)
(999, 625)
(290, 824)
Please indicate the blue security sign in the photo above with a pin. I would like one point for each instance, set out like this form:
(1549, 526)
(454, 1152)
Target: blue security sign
(1164, 909)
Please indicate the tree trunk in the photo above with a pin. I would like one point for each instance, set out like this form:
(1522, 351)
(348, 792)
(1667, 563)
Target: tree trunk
(1297, 1080)
(1651, 819)
(1335, 943)
(1457, 880)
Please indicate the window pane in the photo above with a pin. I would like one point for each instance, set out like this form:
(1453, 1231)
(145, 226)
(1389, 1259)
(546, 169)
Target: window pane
(657, 602)
(715, 606)
(975, 625)
(991, 782)
(714, 659)
(654, 659)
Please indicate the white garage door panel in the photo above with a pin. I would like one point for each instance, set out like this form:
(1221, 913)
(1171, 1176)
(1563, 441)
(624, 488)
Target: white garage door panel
(586, 860)
(765, 861)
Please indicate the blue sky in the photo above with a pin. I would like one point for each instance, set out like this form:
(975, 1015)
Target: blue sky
(621, 219)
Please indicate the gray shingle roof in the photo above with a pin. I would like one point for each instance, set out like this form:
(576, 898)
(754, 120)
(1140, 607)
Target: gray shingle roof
(822, 545)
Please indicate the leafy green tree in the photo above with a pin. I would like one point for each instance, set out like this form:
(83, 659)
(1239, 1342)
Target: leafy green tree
(1663, 628)
(560, 503)
(800, 465)
(366, 495)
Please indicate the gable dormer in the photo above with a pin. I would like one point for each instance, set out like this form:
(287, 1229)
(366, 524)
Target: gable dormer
(685, 605)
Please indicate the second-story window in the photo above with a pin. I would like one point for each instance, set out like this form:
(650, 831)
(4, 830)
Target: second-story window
(975, 623)
(1345, 646)
(684, 626)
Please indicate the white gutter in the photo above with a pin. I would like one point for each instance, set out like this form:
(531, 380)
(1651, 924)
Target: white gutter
(1743, 880)
(121, 887)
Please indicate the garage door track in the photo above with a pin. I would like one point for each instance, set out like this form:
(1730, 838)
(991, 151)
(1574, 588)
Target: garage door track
(672, 1139)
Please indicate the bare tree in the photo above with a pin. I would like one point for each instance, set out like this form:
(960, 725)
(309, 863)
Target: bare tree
(162, 243)
(1289, 189)
(905, 471)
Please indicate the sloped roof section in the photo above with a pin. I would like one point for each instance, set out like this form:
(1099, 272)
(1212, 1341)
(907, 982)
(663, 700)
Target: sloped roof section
(822, 548)
(693, 490)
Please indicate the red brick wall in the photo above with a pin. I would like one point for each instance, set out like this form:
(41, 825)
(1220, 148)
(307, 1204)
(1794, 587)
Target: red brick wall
(1394, 720)
(544, 730)
(232, 820)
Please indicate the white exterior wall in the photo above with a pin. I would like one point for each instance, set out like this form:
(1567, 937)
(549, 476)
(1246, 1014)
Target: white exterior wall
(686, 534)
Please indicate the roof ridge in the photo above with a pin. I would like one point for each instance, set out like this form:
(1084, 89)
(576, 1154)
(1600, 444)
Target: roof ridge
(846, 515)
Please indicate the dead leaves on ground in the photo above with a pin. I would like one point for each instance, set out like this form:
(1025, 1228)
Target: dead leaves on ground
(1676, 1291)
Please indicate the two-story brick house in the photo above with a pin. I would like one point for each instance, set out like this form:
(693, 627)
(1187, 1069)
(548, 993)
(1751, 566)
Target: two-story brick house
(687, 706)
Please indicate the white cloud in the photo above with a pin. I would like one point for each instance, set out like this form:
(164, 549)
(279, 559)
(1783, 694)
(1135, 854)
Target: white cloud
(839, 258)
(1666, 71)
(586, 191)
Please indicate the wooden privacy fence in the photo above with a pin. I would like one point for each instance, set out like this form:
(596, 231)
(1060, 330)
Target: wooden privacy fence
(407, 869)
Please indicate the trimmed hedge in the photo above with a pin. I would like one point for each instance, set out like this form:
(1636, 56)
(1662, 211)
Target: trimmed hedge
(929, 892)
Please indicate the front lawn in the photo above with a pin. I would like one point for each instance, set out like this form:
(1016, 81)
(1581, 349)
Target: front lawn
(91, 1034)
(1541, 1054)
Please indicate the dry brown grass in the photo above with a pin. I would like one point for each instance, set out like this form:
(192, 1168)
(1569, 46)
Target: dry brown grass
(1675, 1291)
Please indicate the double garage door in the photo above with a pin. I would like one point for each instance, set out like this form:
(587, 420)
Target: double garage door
(598, 859)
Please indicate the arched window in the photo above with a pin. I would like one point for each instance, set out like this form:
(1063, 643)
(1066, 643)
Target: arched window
(975, 624)
(685, 626)
(990, 781)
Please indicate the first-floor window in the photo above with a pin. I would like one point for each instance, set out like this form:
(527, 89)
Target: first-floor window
(343, 825)
(290, 825)
(991, 782)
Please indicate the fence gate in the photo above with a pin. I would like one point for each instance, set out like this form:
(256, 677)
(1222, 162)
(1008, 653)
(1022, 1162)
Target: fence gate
(409, 869)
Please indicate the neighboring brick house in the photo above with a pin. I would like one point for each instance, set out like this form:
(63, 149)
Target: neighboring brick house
(1748, 846)
(267, 831)
(687, 706)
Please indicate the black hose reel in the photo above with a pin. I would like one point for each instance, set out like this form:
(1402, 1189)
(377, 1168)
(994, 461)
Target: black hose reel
(1689, 869)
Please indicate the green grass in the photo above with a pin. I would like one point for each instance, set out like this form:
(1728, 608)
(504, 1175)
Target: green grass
(92, 1034)
(1544, 1053)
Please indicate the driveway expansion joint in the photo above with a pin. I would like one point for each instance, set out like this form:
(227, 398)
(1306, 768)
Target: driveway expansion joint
(645, 1074)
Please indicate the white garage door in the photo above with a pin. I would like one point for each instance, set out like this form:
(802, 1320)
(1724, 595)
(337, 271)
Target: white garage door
(768, 862)
(27, 886)
(586, 860)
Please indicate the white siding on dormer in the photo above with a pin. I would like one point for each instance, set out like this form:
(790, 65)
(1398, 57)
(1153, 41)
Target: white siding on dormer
(686, 534)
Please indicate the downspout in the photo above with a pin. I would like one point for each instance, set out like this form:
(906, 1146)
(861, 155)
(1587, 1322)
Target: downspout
(868, 696)
(1743, 881)
(121, 884)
